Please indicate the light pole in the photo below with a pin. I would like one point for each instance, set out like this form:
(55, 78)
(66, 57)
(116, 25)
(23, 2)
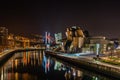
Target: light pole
(97, 50)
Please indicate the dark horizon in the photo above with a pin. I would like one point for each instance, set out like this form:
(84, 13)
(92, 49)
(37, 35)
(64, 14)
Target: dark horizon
(102, 18)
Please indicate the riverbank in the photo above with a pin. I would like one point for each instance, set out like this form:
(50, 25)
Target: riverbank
(89, 64)
(5, 55)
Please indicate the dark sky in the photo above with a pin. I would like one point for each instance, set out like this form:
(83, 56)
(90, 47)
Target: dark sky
(22, 16)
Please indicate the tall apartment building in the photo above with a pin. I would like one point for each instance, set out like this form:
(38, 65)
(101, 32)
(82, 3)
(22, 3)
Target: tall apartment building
(3, 37)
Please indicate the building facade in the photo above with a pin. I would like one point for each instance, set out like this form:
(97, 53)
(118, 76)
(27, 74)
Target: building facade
(3, 37)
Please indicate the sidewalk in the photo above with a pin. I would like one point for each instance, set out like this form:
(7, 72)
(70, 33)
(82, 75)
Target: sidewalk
(89, 59)
(6, 52)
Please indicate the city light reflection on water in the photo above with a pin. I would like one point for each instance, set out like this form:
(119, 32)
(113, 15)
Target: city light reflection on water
(35, 65)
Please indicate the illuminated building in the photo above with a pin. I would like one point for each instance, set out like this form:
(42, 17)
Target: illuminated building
(75, 39)
(101, 40)
(3, 37)
(58, 37)
(11, 41)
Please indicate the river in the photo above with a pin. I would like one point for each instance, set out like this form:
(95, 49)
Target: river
(36, 65)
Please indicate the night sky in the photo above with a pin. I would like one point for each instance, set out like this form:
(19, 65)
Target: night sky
(26, 17)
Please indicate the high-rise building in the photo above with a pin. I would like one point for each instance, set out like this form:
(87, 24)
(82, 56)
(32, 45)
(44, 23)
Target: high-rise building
(3, 37)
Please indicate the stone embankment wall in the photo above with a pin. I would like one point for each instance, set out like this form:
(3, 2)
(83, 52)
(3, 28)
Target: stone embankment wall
(85, 64)
(4, 56)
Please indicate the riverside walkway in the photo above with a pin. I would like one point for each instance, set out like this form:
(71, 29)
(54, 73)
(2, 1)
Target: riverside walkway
(88, 62)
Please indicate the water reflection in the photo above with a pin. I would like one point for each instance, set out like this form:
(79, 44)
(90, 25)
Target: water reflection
(35, 65)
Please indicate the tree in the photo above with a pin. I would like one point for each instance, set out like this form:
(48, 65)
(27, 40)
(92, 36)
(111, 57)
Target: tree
(111, 48)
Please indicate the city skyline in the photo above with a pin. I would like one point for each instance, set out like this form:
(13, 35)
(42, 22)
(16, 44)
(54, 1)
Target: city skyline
(100, 17)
